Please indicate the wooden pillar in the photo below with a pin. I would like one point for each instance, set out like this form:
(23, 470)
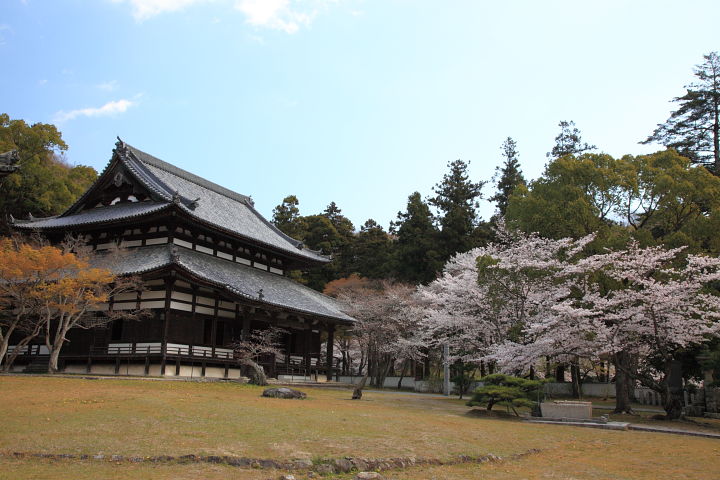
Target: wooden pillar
(213, 334)
(306, 352)
(166, 321)
(245, 327)
(288, 350)
(330, 345)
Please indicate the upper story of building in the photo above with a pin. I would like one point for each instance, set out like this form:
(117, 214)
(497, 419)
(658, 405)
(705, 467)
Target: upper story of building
(139, 200)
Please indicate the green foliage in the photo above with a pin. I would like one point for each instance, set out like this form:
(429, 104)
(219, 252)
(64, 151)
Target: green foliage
(286, 217)
(569, 141)
(510, 175)
(371, 250)
(417, 259)
(694, 128)
(456, 197)
(657, 198)
(462, 374)
(506, 390)
(45, 184)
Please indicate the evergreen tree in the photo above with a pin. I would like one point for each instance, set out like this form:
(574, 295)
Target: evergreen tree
(417, 259)
(569, 141)
(456, 197)
(509, 176)
(342, 254)
(371, 251)
(286, 217)
(45, 184)
(320, 234)
(694, 128)
(341, 223)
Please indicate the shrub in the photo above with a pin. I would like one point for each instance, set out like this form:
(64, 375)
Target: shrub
(506, 390)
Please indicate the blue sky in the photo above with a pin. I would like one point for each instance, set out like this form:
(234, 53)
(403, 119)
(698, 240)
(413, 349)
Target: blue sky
(360, 102)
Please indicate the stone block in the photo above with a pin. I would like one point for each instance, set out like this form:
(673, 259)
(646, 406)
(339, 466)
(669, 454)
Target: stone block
(566, 409)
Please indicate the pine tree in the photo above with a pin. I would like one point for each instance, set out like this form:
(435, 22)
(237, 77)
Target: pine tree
(342, 254)
(694, 128)
(371, 251)
(569, 141)
(416, 257)
(510, 175)
(456, 197)
(286, 217)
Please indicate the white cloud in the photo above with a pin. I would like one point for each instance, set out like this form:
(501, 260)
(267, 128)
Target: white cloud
(111, 108)
(274, 14)
(4, 28)
(107, 86)
(284, 15)
(144, 9)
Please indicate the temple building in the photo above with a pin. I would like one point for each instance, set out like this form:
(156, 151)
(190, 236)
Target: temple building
(213, 270)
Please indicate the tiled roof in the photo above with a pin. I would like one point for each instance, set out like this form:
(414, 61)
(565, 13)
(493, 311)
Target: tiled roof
(201, 199)
(120, 211)
(237, 279)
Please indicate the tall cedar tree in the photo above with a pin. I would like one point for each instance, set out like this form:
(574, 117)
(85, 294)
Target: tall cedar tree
(342, 254)
(320, 234)
(417, 259)
(694, 128)
(569, 141)
(456, 197)
(509, 176)
(372, 251)
(45, 184)
(286, 217)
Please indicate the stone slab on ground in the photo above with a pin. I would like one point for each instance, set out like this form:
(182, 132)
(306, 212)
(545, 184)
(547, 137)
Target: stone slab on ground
(675, 431)
(586, 424)
(566, 409)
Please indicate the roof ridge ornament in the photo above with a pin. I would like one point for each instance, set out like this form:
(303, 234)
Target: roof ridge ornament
(176, 197)
(260, 294)
(174, 254)
(120, 146)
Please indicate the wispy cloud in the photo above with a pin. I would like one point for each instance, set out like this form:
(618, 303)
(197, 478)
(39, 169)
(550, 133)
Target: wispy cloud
(284, 15)
(107, 86)
(4, 28)
(275, 14)
(144, 9)
(111, 108)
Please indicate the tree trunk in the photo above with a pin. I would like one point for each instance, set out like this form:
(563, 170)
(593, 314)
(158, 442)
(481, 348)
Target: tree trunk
(575, 378)
(623, 383)
(16, 352)
(53, 362)
(56, 346)
(259, 373)
(560, 373)
(4, 343)
(402, 373)
(716, 139)
(357, 392)
(672, 393)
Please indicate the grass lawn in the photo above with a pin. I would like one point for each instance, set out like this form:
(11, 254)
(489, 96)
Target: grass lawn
(148, 418)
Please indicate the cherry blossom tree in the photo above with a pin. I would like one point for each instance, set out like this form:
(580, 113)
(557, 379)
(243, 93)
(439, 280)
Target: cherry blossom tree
(258, 344)
(653, 303)
(487, 301)
(387, 324)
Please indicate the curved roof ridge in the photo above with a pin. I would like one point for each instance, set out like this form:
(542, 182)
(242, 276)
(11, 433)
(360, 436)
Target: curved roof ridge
(144, 157)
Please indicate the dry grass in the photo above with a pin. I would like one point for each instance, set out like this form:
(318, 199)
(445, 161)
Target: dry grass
(141, 418)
